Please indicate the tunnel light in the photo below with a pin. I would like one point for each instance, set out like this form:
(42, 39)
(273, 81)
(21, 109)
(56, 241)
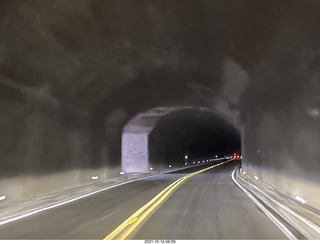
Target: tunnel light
(216, 156)
(203, 161)
(198, 162)
(193, 162)
(186, 157)
(256, 177)
(186, 163)
(170, 166)
(2, 198)
(95, 177)
(151, 168)
(121, 173)
(300, 199)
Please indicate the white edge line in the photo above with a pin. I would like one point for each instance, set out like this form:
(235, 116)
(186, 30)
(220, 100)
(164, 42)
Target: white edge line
(270, 216)
(304, 220)
(83, 196)
(65, 202)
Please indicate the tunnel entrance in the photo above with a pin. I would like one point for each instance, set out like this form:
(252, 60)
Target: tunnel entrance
(175, 136)
(190, 135)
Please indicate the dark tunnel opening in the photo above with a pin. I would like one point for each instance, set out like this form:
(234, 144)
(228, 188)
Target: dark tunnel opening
(196, 134)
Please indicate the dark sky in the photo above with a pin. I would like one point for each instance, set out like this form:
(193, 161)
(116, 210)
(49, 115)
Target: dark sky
(198, 134)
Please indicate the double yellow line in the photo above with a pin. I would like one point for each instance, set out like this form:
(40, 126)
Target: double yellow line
(130, 224)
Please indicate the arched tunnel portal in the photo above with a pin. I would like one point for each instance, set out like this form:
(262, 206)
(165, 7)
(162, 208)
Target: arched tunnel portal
(154, 140)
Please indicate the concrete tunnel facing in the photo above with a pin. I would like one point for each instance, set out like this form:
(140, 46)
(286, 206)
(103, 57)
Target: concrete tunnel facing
(176, 138)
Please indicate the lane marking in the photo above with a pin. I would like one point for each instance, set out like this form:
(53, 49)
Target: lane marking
(301, 218)
(132, 221)
(107, 216)
(80, 227)
(270, 215)
(128, 226)
(32, 212)
(140, 211)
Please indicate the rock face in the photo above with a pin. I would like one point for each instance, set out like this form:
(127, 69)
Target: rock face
(73, 73)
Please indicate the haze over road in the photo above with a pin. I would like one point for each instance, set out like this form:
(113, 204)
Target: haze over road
(207, 205)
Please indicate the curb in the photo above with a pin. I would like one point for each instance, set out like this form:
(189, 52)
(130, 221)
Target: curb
(301, 221)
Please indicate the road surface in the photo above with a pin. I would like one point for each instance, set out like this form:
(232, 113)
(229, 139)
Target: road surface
(207, 205)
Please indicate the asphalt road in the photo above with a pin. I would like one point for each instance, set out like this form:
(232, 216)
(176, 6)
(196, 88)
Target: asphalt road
(206, 206)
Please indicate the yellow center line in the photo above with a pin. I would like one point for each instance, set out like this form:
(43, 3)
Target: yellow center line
(132, 221)
(125, 223)
(146, 214)
(130, 224)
